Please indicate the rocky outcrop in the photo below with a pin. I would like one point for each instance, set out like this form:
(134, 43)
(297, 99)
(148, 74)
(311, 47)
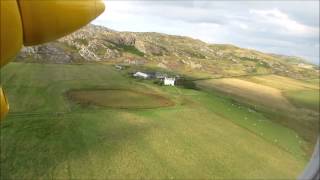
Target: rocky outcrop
(95, 44)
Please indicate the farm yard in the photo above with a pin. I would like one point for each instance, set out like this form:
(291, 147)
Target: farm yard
(92, 121)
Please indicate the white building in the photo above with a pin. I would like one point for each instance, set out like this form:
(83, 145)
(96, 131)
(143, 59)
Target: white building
(141, 75)
(169, 81)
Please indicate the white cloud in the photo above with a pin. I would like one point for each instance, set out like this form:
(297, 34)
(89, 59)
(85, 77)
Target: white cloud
(282, 20)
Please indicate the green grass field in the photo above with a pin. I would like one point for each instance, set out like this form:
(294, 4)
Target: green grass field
(291, 103)
(306, 99)
(201, 135)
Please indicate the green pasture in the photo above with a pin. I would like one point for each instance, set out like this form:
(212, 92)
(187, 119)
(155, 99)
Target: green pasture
(289, 102)
(202, 135)
(305, 99)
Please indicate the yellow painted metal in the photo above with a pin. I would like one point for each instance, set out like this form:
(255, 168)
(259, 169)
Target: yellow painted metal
(46, 20)
(10, 30)
(4, 106)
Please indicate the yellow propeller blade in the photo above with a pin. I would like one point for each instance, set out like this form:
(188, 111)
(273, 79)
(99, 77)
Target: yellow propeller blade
(10, 31)
(4, 106)
(46, 20)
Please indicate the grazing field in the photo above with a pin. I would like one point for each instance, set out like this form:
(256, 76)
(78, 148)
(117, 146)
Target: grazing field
(283, 83)
(305, 99)
(290, 102)
(118, 98)
(253, 92)
(201, 135)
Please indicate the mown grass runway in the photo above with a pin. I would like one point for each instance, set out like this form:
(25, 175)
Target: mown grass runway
(201, 135)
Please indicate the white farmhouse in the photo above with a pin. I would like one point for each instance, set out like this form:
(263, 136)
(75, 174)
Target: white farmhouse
(141, 75)
(169, 81)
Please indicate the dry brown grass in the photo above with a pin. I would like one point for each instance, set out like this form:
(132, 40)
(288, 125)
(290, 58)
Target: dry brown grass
(282, 83)
(261, 94)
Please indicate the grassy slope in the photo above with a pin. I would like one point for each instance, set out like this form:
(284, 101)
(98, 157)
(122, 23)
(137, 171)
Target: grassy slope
(284, 83)
(306, 98)
(304, 95)
(271, 95)
(203, 136)
(256, 93)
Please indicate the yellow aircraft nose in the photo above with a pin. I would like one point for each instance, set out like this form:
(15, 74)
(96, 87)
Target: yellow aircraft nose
(46, 20)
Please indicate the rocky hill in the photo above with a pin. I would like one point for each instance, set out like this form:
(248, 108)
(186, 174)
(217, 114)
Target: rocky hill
(99, 44)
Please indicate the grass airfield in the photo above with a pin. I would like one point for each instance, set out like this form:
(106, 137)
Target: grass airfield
(162, 133)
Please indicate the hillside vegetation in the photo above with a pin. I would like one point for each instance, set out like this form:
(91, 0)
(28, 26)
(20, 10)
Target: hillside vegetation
(177, 53)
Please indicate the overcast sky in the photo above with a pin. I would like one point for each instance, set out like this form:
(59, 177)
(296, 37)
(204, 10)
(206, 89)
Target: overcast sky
(283, 27)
